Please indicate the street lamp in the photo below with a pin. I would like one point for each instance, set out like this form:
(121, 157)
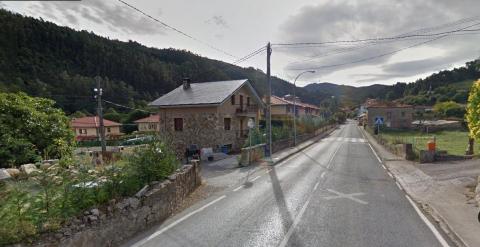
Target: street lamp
(295, 106)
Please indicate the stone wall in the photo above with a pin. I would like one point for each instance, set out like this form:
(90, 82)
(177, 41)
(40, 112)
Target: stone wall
(117, 222)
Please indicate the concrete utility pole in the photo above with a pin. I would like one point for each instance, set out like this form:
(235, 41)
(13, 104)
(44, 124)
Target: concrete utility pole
(295, 106)
(98, 95)
(268, 115)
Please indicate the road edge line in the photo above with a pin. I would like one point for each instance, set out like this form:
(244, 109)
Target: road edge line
(429, 224)
(166, 228)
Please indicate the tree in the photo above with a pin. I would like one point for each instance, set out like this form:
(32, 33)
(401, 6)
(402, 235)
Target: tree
(32, 128)
(449, 109)
(473, 114)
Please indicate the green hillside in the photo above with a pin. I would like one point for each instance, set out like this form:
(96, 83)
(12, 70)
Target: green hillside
(44, 59)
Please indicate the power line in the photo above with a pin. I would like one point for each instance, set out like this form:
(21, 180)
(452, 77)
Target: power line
(381, 39)
(372, 57)
(250, 55)
(176, 29)
(127, 107)
(395, 51)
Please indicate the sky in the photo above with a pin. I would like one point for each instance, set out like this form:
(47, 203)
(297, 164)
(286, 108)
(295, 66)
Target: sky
(240, 27)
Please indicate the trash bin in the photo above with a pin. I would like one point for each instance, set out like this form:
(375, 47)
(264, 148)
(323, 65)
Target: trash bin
(431, 145)
(224, 149)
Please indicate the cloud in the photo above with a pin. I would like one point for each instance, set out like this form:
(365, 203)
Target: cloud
(358, 19)
(217, 20)
(116, 17)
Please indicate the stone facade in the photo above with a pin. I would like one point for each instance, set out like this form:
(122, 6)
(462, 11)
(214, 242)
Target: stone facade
(205, 126)
(393, 117)
(119, 221)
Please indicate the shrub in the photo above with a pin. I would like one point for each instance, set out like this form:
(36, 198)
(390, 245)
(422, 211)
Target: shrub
(31, 128)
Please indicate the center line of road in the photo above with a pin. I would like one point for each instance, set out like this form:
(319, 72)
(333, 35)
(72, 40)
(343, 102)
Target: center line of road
(157, 233)
(316, 186)
(255, 178)
(295, 223)
(322, 175)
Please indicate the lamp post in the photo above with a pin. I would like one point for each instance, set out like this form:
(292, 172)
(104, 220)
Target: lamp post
(295, 106)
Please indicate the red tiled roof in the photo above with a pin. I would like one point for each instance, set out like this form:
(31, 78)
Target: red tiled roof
(92, 122)
(275, 100)
(150, 119)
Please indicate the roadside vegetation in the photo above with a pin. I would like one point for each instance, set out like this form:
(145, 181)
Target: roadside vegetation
(454, 142)
(41, 200)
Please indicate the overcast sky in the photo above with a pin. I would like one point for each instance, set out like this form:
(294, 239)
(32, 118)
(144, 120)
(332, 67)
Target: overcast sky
(240, 27)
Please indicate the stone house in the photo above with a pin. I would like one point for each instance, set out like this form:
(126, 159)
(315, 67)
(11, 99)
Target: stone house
(282, 108)
(208, 114)
(393, 115)
(88, 128)
(149, 124)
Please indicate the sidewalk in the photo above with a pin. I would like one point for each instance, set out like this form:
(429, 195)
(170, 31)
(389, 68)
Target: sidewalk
(226, 173)
(441, 189)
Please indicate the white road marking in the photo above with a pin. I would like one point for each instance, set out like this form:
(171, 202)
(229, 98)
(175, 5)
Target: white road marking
(268, 171)
(238, 188)
(346, 196)
(389, 174)
(378, 158)
(295, 223)
(157, 233)
(384, 167)
(316, 186)
(428, 223)
(255, 178)
(333, 156)
(322, 175)
(398, 185)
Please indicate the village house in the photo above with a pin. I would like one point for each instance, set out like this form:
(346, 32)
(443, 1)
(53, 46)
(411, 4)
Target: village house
(209, 114)
(282, 108)
(391, 114)
(149, 124)
(88, 128)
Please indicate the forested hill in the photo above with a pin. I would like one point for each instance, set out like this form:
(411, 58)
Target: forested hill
(44, 59)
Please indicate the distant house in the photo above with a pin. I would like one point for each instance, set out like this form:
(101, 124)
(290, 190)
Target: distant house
(88, 128)
(149, 124)
(282, 108)
(208, 114)
(392, 115)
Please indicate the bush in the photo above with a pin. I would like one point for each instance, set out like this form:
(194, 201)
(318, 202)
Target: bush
(48, 197)
(32, 128)
(449, 109)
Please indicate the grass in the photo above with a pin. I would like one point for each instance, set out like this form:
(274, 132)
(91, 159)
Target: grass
(454, 142)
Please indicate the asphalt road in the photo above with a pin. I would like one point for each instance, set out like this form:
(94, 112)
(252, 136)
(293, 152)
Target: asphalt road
(334, 193)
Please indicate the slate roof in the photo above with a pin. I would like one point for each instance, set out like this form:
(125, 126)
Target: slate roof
(203, 94)
(91, 122)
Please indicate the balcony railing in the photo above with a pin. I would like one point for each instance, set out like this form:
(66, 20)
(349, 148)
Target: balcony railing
(247, 110)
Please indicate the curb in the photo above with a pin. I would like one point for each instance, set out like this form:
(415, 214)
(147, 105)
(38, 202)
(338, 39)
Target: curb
(441, 222)
(320, 136)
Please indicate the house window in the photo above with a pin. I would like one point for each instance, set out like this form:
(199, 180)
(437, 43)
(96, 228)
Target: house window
(241, 101)
(233, 99)
(108, 130)
(178, 124)
(288, 108)
(389, 115)
(82, 131)
(248, 101)
(403, 114)
(227, 123)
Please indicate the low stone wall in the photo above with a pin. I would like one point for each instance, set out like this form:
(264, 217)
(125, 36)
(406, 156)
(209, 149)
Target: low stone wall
(253, 153)
(285, 143)
(117, 222)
